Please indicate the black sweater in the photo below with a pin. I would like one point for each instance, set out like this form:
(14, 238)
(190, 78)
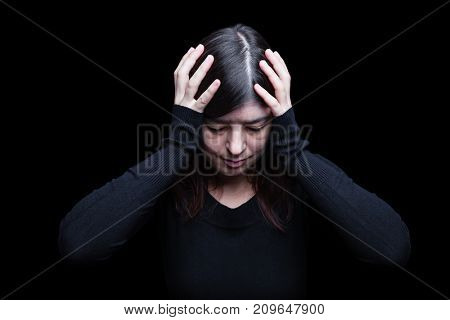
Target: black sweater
(232, 253)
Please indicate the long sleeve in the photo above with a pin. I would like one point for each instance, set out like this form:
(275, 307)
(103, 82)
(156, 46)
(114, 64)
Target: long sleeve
(347, 204)
(103, 221)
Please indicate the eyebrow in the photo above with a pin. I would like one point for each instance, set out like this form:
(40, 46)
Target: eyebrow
(265, 118)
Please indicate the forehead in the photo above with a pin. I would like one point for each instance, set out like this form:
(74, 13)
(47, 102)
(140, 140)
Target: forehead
(245, 113)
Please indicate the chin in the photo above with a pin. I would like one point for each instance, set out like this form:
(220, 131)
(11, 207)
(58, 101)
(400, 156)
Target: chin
(231, 173)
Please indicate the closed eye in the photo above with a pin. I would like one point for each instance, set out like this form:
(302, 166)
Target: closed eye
(256, 129)
(253, 129)
(216, 129)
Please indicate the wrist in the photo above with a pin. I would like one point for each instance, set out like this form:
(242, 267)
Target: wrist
(287, 118)
(185, 127)
(286, 133)
(186, 115)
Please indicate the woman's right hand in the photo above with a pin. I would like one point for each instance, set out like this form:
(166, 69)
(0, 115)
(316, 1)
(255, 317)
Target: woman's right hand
(185, 88)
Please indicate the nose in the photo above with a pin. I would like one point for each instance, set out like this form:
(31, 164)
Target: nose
(236, 143)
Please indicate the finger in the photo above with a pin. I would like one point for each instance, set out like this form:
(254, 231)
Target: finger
(199, 75)
(206, 97)
(277, 54)
(190, 61)
(186, 55)
(274, 79)
(288, 84)
(279, 66)
(183, 72)
(271, 101)
(179, 92)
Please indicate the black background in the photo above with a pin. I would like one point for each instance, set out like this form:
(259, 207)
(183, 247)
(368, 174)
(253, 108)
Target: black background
(68, 127)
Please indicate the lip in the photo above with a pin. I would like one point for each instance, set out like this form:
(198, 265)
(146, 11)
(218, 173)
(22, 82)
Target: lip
(234, 164)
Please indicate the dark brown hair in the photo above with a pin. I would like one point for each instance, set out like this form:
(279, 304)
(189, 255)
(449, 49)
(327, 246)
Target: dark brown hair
(237, 51)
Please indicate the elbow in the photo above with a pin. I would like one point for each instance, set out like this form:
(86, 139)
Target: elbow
(70, 251)
(73, 250)
(398, 251)
(396, 246)
(398, 256)
(401, 249)
(77, 253)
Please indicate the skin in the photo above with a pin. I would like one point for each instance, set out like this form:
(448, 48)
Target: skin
(236, 135)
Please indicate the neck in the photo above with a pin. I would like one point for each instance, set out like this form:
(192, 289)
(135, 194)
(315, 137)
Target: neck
(233, 184)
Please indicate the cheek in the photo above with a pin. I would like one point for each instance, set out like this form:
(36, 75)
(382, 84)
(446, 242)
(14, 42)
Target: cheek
(258, 142)
(213, 143)
(256, 146)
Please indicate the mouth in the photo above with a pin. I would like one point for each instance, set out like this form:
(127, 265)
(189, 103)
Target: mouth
(235, 163)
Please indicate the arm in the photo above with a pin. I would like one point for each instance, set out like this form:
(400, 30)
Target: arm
(333, 193)
(342, 201)
(103, 221)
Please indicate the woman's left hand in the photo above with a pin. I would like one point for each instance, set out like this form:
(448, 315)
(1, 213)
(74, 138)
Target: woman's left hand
(281, 81)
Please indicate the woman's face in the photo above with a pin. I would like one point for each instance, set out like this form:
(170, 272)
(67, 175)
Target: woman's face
(235, 141)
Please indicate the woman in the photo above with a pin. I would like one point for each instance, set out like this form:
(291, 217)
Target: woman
(233, 186)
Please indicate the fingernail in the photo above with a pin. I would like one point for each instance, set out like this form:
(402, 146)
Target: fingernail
(198, 47)
(269, 50)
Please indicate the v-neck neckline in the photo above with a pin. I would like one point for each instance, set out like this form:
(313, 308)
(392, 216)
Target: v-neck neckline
(244, 204)
(218, 214)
